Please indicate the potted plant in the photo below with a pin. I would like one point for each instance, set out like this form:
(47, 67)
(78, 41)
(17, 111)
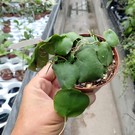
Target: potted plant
(6, 26)
(78, 61)
(129, 23)
(39, 10)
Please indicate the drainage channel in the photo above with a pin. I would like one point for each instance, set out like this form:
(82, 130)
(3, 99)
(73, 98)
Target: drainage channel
(79, 7)
(81, 17)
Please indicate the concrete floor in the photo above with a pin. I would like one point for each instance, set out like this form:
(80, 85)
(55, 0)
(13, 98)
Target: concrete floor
(101, 118)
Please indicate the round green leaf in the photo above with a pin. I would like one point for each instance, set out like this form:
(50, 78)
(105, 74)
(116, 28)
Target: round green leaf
(51, 43)
(39, 58)
(63, 46)
(89, 65)
(72, 35)
(67, 74)
(91, 39)
(111, 38)
(70, 102)
(104, 53)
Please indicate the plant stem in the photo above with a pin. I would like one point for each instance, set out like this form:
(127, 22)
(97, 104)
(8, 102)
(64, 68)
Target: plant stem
(65, 122)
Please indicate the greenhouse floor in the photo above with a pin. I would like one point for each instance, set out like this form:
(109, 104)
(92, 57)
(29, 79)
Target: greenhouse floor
(101, 118)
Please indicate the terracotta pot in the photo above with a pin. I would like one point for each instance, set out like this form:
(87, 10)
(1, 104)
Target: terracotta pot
(6, 74)
(19, 75)
(6, 29)
(95, 88)
(8, 15)
(37, 17)
(16, 15)
(11, 56)
(45, 13)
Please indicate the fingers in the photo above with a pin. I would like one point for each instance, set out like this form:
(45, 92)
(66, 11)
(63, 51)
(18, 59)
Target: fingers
(47, 73)
(55, 88)
(46, 81)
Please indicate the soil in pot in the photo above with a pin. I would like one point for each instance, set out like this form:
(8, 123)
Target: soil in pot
(19, 75)
(45, 13)
(6, 26)
(11, 56)
(38, 16)
(6, 74)
(6, 29)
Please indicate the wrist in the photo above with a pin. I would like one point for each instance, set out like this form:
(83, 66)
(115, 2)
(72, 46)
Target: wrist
(21, 128)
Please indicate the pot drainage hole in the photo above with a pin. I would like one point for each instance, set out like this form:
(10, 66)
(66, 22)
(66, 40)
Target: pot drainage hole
(2, 101)
(11, 101)
(3, 117)
(14, 90)
(1, 130)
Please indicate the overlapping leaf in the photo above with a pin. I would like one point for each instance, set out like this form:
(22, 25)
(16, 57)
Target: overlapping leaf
(89, 65)
(39, 58)
(67, 74)
(63, 46)
(104, 53)
(50, 43)
(72, 35)
(70, 102)
(111, 38)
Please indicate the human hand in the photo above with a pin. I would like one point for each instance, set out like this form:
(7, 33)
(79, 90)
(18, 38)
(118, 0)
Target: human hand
(36, 115)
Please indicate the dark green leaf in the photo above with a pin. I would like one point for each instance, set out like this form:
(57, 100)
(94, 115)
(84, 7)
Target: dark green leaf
(16, 21)
(51, 43)
(70, 102)
(126, 24)
(92, 39)
(89, 65)
(33, 63)
(104, 53)
(26, 35)
(72, 35)
(42, 57)
(39, 57)
(71, 58)
(67, 74)
(4, 36)
(63, 46)
(130, 10)
(111, 38)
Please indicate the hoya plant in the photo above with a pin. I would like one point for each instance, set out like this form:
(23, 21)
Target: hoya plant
(75, 59)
